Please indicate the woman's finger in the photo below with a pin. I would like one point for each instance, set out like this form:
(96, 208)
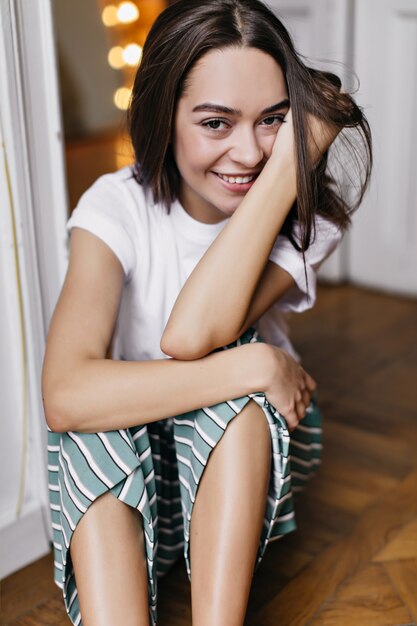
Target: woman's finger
(310, 382)
(300, 407)
(292, 420)
(306, 397)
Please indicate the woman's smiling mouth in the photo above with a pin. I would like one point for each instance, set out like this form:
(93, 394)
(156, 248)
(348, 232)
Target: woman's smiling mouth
(236, 178)
(237, 182)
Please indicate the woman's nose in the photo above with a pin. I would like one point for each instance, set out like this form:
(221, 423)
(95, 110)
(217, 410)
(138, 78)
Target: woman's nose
(246, 148)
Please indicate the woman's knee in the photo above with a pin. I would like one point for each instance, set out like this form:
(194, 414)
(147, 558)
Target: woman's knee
(253, 420)
(104, 514)
(109, 560)
(249, 434)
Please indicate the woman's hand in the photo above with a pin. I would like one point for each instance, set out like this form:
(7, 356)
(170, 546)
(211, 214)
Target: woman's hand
(284, 143)
(289, 388)
(320, 136)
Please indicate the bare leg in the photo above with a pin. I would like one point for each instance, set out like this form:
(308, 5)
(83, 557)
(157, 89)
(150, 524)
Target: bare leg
(108, 554)
(227, 520)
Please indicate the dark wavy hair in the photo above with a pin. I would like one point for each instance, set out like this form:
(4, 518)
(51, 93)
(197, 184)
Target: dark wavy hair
(180, 36)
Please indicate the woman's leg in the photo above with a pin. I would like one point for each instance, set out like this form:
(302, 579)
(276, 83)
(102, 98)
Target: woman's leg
(108, 555)
(227, 519)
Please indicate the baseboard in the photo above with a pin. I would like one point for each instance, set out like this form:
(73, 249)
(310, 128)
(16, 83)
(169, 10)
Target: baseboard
(23, 541)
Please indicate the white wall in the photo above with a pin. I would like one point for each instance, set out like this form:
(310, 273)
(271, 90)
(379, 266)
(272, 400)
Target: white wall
(383, 244)
(24, 533)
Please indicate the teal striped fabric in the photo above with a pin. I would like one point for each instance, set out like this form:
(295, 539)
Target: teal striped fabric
(156, 468)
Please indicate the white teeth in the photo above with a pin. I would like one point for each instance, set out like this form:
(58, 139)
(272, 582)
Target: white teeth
(237, 179)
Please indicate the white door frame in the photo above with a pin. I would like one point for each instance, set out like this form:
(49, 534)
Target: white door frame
(33, 256)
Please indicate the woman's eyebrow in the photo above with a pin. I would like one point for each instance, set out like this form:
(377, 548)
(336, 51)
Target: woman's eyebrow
(219, 108)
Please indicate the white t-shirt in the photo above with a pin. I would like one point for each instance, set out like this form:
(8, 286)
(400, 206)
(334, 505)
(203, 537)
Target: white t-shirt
(158, 251)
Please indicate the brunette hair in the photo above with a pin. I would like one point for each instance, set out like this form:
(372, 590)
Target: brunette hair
(180, 36)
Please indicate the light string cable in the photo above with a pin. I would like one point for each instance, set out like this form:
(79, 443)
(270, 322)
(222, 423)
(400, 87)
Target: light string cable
(23, 458)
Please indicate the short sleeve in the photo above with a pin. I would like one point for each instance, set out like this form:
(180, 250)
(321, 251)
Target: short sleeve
(302, 297)
(104, 211)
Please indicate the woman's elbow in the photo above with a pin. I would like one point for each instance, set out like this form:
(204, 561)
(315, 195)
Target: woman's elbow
(55, 409)
(185, 348)
(53, 417)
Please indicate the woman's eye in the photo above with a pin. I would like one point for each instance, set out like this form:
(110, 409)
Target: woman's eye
(214, 124)
(274, 120)
(217, 124)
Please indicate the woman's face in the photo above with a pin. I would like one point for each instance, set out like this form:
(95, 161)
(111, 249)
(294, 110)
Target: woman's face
(225, 126)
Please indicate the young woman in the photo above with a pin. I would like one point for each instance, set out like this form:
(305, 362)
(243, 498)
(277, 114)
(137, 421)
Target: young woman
(185, 264)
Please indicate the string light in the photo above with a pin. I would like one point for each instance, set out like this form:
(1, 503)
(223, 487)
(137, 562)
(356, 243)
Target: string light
(127, 12)
(118, 57)
(109, 15)
(115, 57)
(132, 54)
(121, 97)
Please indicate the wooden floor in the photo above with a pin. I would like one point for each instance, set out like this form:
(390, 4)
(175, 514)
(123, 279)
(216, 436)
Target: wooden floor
(353, 559)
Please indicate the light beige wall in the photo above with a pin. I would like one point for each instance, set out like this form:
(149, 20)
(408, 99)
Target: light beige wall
(87, 81)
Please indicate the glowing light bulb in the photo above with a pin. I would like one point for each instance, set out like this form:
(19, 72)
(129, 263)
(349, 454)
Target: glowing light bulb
(115, 57)
(127, 12)
(121, 97)
(109, 15)
(132, 54)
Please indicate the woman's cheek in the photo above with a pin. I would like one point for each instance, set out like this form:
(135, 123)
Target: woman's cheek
(205, 151)
(268, 144)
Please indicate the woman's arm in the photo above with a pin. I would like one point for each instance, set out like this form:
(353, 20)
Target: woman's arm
(232, 281)
(85, 392)
(101, 394)
(213, 305)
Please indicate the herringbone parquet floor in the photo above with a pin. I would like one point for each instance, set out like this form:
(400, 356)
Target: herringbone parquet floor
(353, 559)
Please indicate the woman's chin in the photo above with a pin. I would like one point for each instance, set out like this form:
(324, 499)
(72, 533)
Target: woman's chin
(231, 209)
(229, 205)
(228, 211)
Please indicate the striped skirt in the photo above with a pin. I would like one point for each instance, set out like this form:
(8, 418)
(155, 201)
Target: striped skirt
(156, 468)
